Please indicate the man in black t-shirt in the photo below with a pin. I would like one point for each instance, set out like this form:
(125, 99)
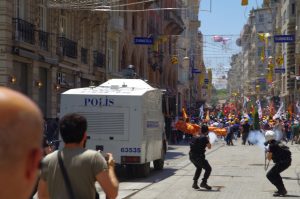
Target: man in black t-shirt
(281, 156)
(197, 157)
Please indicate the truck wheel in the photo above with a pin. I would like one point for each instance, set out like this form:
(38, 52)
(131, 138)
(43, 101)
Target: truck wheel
(159, 164)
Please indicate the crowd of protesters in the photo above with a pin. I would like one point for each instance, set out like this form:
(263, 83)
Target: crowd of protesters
(239, 126)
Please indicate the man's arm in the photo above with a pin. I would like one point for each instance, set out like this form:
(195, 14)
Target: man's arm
(208, 145)
(269, 155)
(108, 180)
(43, 190)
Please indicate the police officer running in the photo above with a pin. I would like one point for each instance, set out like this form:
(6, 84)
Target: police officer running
(281, 156)
(197, 157)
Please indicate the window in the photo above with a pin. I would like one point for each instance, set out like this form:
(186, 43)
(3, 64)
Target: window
(293, 9)
(20, 9)
(42, 15)
(62, 25)
(112, 56)
(261, 18)
(133, 22)
(284, 17)
(84, 34)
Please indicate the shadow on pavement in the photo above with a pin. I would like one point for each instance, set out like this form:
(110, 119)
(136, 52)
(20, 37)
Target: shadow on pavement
(155, 175)
(214, 189)
(290, 178)
(292, 196)
(173, 155)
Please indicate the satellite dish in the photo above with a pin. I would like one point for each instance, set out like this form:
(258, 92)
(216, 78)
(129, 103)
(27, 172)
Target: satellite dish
(238, 42)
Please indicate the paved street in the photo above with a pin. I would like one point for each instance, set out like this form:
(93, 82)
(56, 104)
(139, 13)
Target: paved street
(237, 172)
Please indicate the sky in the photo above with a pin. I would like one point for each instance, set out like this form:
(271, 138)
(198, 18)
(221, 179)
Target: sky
(224, 18)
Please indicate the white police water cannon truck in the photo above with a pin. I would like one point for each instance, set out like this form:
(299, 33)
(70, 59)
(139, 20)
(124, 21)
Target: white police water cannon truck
(124, 118)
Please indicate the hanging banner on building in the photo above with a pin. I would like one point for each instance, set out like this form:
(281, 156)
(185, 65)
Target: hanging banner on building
(143, 40)
(279, 70)
(284, 38)
(196, 71)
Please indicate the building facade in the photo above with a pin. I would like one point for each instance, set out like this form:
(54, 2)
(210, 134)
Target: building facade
(47, 47)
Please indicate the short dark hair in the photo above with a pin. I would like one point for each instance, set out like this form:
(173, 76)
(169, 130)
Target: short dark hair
(72, 128)
(204, 128)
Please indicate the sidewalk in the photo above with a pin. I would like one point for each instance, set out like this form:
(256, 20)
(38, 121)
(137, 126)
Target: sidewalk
(237, 173)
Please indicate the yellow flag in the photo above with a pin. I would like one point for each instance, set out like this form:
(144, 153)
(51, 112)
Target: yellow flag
(279, 60)
(267, 2)
(174, 60)
(261, 37)
(155, 46)
(270, 73)
(184, 115)
(244, 2)
(201, 78)
(262, 54)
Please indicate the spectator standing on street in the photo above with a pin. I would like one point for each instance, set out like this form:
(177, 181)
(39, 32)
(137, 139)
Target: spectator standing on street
(197, 157)
(83, 167)
(295, 132)
(245, 131)
(281, 156)
(21, 131)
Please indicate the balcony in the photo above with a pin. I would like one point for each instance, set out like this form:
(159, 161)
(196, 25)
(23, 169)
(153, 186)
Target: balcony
(84, 55)
(24, 31)
(174, 21)
(99, 59)
(44, 40)
(67, 47)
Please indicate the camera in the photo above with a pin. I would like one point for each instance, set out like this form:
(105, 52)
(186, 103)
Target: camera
(266, 143)
(104, 155)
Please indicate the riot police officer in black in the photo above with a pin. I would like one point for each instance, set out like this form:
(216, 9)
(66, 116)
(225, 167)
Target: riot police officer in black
(281, 156)
(197, 157)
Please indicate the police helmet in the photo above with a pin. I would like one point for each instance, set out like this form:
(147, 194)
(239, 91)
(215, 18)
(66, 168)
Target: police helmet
(270, 135)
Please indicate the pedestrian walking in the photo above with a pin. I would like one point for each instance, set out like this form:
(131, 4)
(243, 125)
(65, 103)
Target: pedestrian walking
(281, 156)
(197, 157)
(74, 169)
(21, 131)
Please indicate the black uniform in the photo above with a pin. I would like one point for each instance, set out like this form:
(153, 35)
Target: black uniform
(197, 157)
(281, 156)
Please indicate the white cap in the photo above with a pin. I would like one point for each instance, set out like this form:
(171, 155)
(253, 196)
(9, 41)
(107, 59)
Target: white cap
(270, 135)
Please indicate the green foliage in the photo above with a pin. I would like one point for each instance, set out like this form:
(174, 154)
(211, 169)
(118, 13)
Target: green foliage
(256, 125)
(218, 94)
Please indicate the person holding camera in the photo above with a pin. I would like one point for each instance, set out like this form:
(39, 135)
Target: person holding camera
(281, 156)
(74, 170)
(197, 157)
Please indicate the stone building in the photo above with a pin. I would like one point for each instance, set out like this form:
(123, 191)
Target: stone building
(47, 47)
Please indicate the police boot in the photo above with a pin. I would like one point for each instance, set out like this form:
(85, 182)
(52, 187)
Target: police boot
(281, 192)
(195, 185)
(205, 185)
